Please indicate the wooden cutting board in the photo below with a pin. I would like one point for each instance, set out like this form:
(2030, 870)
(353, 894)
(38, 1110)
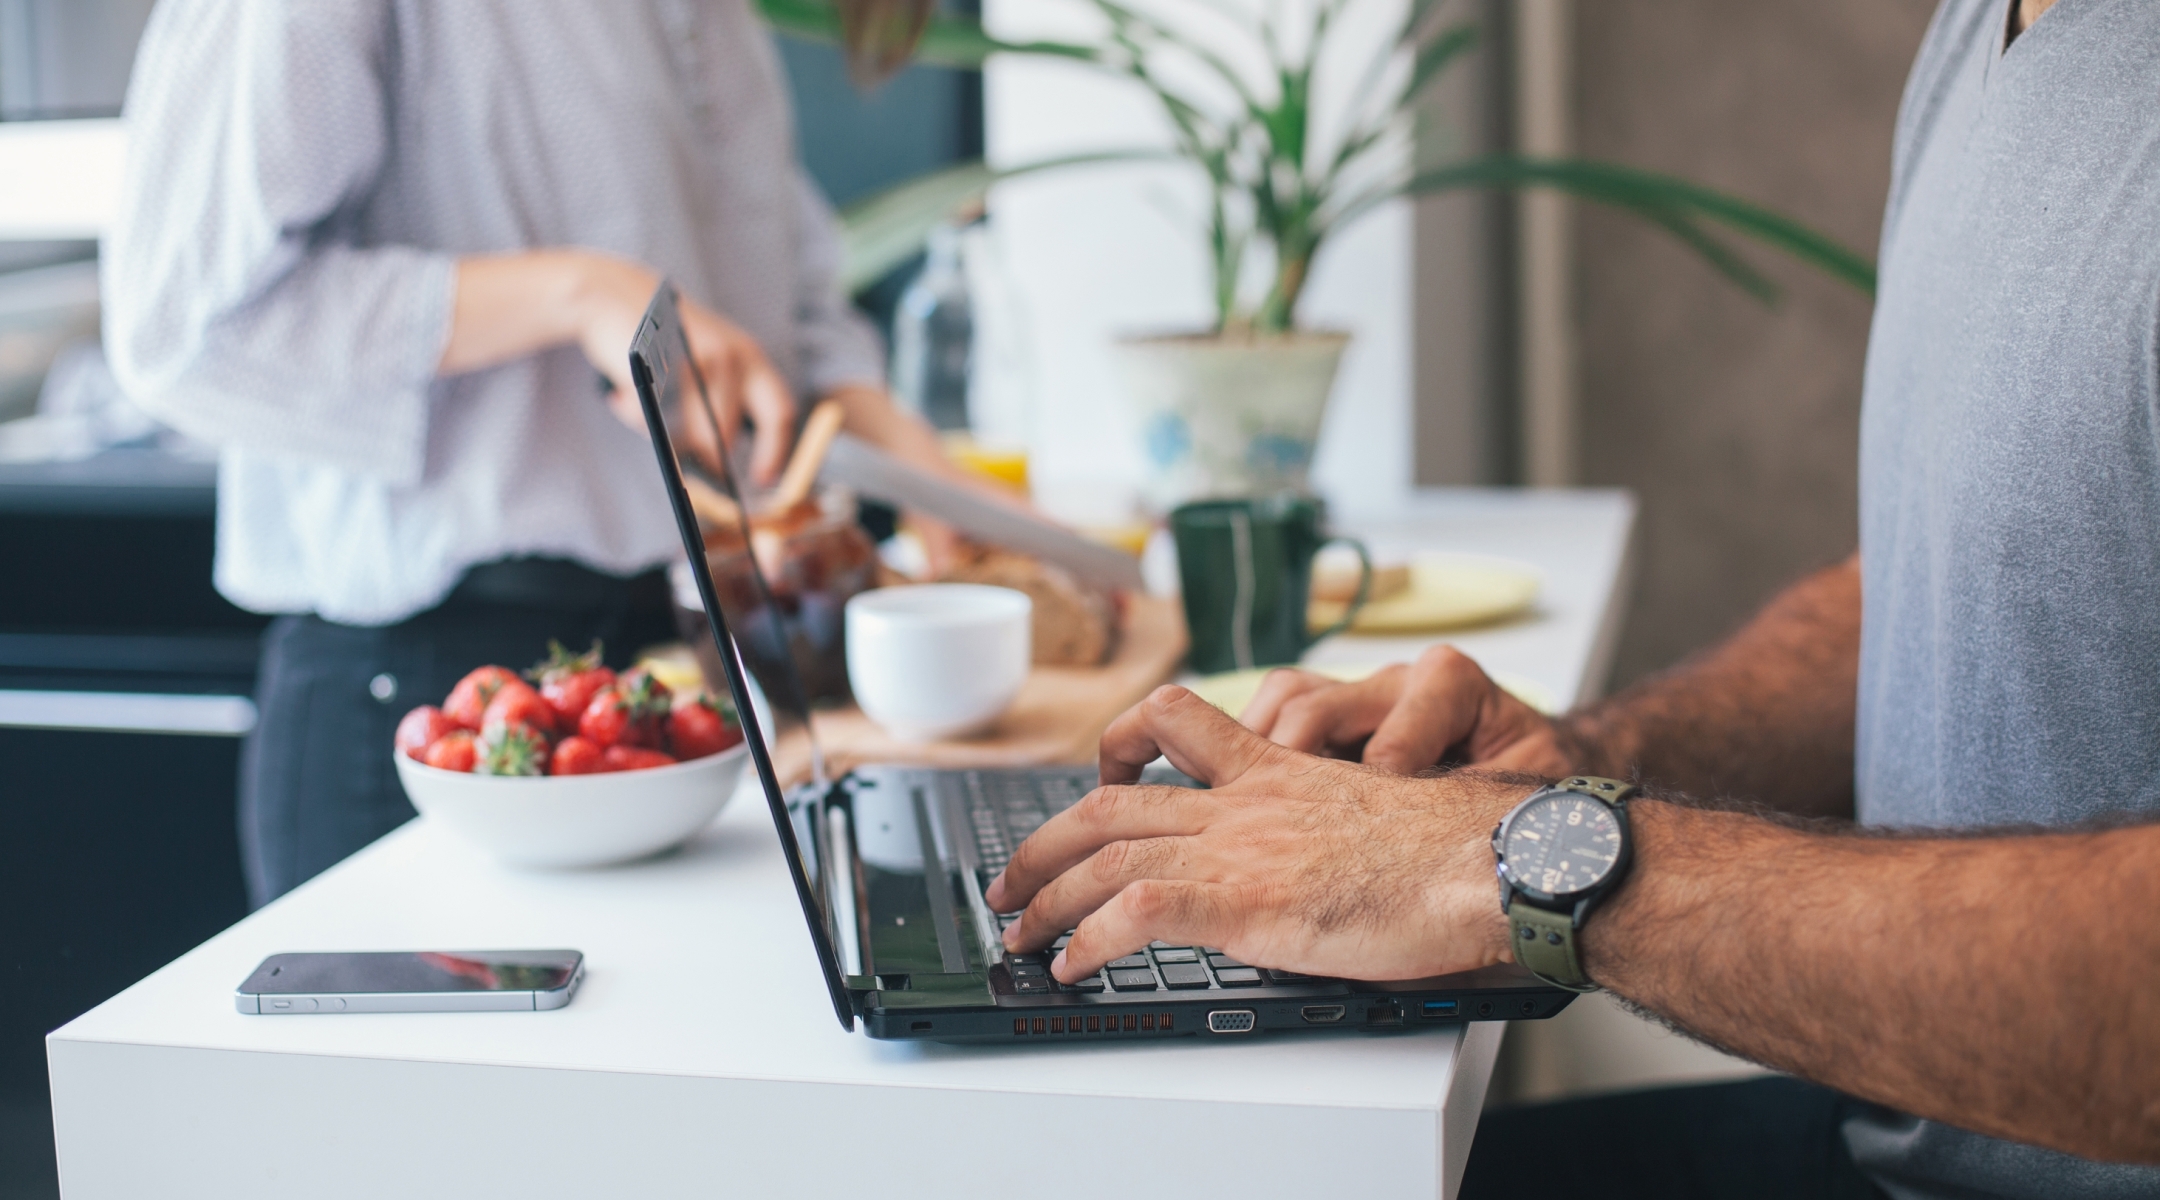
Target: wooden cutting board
(1058, 718)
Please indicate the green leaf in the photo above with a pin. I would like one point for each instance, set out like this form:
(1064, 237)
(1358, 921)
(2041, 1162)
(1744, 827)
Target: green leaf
(948, 41)
(1719, 255)
(880, 232)
(1654, 196)
(1413, 28)
(1453, 43)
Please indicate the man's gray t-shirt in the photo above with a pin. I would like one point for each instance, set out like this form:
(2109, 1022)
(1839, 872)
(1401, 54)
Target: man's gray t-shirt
(2010, 477)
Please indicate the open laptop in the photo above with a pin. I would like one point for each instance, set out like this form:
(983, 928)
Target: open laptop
(890, 862)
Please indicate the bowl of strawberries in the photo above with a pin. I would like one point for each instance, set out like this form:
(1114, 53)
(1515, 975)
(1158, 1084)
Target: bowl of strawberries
(570, 764)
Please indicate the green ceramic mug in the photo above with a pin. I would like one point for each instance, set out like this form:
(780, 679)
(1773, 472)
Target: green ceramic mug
(1246, 566)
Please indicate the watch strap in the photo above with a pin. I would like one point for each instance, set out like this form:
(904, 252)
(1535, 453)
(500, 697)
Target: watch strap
(1612, 791)
(1544, 943)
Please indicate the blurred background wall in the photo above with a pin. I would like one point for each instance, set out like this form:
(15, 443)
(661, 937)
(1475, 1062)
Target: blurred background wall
(1736, 424)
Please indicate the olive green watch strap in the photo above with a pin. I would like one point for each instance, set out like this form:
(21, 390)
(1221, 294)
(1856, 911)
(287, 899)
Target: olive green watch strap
(1611, 791)
(1545, 943)
(1544, 939)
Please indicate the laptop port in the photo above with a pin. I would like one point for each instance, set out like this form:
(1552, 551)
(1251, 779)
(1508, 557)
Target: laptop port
(1383, 1014)
(1484, 1008)
(1323, 1014)
(1232, 1020)
(918, 1026)
(1442, 1010)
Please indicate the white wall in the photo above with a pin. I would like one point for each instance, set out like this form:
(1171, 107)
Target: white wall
(1095, 252)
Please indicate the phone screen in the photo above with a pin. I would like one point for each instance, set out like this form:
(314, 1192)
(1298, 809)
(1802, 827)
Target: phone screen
(417, 971)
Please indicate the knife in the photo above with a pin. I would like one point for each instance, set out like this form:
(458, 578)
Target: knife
(869, 471)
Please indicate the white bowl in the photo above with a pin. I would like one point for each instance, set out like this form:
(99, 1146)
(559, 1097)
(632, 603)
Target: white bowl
(576, 820)
(938, 660)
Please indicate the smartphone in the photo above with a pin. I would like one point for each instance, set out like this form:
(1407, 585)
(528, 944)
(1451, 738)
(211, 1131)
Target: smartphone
(415, 981)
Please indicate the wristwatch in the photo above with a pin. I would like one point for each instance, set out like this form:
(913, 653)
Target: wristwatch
(1560, 852)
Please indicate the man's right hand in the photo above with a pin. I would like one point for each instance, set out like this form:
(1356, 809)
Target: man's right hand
(1284, 860)
(1406, 718)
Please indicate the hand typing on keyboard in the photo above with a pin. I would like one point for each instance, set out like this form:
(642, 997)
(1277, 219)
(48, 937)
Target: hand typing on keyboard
(1290, 861)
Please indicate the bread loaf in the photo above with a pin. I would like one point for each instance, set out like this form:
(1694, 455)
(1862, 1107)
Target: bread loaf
(1074, 625)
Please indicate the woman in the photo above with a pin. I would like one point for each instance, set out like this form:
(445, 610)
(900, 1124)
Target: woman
(377, 250)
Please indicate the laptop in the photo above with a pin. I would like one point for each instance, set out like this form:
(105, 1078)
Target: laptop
(889, 862)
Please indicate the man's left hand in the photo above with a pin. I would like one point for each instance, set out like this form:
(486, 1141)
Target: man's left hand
(1288, 861)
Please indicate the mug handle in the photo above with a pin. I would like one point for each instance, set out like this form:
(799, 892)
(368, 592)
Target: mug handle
(1364, 588)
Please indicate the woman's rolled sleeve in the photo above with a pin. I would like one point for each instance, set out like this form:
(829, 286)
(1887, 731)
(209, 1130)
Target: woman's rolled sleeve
(241, 304)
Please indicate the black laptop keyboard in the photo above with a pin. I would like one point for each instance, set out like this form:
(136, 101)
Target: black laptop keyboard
(1004, 809)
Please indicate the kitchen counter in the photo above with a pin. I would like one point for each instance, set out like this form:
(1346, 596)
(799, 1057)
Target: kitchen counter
(702, 1055)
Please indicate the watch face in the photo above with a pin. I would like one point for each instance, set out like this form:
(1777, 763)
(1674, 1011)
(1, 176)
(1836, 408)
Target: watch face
(1562, 844)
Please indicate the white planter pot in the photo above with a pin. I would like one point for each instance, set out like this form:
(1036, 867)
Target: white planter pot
(1229, 416)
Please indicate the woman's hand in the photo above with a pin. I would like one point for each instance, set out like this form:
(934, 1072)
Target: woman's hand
(1442, 707)
(512, 305)
(738, 377)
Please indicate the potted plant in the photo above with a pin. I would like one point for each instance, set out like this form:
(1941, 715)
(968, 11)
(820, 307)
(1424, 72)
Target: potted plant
(1236, 408)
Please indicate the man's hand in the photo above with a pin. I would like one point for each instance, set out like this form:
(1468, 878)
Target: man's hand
(1289, 861)
(512, 305)
(1441, 708)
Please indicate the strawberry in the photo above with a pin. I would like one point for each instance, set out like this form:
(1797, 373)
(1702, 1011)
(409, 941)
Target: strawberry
(468, 701)
(511, 749)
(634, 712)
(698, 727)
(516, 703)
(453, 751)
(577, 756)
(635, 758)
(421, 728)
(568, 682)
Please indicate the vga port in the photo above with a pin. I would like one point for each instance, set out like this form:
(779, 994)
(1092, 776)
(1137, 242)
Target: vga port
(1232, 1020)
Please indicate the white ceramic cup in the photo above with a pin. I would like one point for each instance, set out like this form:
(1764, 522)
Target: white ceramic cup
(938, 660)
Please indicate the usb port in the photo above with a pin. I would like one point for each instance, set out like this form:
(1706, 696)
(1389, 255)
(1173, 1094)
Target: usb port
(1442, 1010)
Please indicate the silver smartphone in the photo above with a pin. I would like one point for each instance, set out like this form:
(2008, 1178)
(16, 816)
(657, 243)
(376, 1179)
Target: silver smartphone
(413, 981)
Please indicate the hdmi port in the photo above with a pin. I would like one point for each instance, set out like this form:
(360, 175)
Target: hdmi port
(1322, 1014)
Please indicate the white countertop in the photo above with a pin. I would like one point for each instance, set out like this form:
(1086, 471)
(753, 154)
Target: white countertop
(700, 969)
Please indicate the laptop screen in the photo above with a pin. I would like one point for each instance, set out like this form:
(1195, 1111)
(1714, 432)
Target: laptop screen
(746, 626)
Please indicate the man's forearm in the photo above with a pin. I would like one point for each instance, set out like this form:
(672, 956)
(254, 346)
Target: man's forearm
(2005, 985)
(1767, 715)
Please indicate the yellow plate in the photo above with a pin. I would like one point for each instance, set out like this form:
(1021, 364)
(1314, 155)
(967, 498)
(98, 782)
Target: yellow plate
(1231, 691)
(1446, 592)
